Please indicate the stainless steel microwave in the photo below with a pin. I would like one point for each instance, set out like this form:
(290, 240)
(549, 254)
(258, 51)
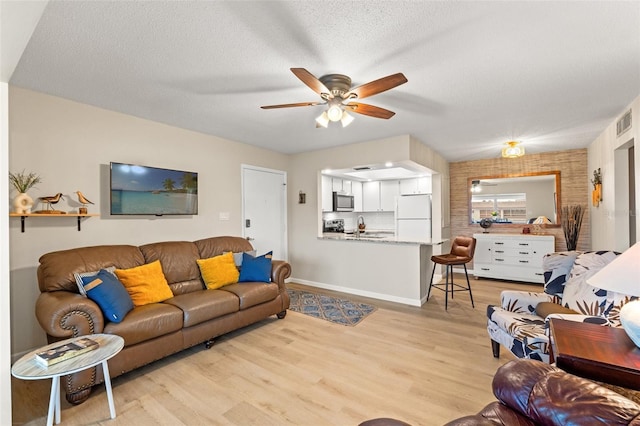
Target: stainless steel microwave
(342, 203)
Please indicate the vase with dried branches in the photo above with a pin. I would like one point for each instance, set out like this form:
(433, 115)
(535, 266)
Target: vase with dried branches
(571, 221)
(22, 182)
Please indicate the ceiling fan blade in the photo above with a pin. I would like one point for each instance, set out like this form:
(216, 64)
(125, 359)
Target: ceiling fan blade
(299, 104)
(370, 110)
(310, 80)
(377, 86)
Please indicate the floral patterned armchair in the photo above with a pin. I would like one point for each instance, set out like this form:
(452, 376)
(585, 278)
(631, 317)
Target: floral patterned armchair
(521, 322)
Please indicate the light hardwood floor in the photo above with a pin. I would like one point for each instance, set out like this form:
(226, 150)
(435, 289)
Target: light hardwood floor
(422, 365)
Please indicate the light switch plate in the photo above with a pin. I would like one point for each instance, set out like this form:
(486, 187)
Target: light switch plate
(224, 216)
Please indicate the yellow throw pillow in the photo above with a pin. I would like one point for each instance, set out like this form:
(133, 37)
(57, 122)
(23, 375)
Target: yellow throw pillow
(146, 284)
(219, 271)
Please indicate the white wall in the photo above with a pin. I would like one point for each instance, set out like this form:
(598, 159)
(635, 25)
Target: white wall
(609, 221)
(70, 146)
(17, 22)
(5, 291)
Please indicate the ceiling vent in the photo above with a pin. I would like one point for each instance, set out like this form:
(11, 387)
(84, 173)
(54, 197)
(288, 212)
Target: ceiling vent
(362, 168)
(623, 124)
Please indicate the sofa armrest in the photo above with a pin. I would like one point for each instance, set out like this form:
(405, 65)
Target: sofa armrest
(63, 314)
(540, 392)
(280, 271)
(523, 301)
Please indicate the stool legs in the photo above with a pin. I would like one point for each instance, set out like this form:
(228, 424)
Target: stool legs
(450, 285)
(468, 285)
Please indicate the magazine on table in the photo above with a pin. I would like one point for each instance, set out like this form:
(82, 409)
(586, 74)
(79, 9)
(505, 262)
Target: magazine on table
(69, 350)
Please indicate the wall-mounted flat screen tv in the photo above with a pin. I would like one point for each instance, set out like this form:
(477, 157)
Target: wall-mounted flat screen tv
(143, 190)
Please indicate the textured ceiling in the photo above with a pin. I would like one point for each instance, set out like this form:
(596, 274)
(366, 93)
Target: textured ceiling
(550, 74)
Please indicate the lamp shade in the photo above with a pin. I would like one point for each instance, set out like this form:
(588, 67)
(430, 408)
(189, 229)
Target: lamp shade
(622, 275)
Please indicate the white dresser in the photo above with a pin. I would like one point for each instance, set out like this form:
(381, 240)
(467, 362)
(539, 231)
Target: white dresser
(516, 257)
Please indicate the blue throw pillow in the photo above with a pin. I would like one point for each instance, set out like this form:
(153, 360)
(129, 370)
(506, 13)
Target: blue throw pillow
(256, 269)
(107, 291)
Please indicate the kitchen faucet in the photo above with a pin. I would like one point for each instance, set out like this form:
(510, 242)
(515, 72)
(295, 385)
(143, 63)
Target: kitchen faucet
(359, 222)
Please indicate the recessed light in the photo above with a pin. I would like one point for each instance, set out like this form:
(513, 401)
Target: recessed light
(388, 164)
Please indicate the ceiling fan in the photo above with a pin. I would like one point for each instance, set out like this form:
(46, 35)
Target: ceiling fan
(336, 92)
(476, 185)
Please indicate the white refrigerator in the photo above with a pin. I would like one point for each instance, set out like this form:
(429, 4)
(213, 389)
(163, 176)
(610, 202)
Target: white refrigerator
(413, 217)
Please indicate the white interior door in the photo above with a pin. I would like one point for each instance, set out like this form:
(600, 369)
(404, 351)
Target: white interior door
(264, 210)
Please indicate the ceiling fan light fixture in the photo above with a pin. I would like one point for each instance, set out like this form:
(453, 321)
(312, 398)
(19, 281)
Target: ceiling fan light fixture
(334, 113)
(322, 120)
(346, 119)
(512, 150)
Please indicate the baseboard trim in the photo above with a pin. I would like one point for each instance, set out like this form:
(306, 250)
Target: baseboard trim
(364, 293)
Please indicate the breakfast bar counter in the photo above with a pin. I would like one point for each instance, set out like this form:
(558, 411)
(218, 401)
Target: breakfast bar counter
(384, 237)
(376, 264)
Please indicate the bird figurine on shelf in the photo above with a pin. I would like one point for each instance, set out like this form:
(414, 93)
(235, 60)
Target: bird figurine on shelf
(84, 201)
(54, 199)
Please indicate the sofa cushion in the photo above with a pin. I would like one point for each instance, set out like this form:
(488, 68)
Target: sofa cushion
(146, 283)
(237, 257)
(81, 283)
(147, 322)
(251, 294)
(256, 269)
(201, 306)
(583, 297)
(57, 268)
(218, 271)
(215, 246)
(178, 260)
(107, 291)
(557, 267)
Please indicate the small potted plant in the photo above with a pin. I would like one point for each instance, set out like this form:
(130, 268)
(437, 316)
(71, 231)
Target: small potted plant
(22, 182)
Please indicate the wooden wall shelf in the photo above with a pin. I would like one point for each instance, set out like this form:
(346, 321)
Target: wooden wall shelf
(41, 215)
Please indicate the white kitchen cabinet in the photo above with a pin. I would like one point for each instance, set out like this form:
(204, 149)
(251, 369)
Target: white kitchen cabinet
(389, 190)
(342, 186)
(371, 196)
(356, 190)
(516, 257)
(380, 196)
(347, 186)
(327, 193)
(421, 185)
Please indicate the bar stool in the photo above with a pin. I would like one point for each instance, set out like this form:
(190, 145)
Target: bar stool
(462, 250)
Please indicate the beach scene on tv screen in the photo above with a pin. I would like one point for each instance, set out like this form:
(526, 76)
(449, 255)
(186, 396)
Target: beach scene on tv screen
(150, 190)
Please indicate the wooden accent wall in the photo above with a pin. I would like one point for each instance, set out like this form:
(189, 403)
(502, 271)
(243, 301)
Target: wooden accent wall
(574, 189)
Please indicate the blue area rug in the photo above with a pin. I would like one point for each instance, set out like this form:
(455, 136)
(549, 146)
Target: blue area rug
(336, 310)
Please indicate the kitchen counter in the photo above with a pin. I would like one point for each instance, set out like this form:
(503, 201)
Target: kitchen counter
(377, 264)
(383, 237)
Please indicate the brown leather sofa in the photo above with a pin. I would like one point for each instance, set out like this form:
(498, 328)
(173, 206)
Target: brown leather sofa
(534, 393)
(151, 332)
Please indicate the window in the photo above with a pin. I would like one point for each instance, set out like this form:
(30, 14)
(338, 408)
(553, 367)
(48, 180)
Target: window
(502, 208)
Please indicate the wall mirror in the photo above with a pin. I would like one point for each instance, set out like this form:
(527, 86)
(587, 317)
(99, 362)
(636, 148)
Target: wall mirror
(516, 199)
